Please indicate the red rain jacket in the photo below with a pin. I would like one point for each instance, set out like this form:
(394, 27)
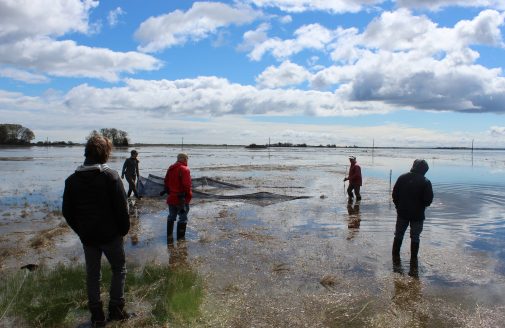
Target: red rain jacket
(178, 184)
(355, 175)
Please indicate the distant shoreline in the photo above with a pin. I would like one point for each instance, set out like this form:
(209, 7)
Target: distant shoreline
(245, 146)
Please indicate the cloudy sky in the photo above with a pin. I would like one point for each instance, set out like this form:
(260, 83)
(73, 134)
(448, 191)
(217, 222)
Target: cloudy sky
(345, 72)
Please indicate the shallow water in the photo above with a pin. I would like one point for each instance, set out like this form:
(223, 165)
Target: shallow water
(309, 262)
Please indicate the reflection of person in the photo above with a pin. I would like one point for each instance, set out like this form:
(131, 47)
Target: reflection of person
(131, 172)
(178, 186)
(95, 207)
(178, 255)
(354, 221)
(355, 180)
(412, 193)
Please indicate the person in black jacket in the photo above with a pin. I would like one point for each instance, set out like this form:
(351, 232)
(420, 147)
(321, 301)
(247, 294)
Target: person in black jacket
(412, 193)
(95, 207)
(131, 171)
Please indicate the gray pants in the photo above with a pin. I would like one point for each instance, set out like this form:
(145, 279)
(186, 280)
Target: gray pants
(114, 252)
(416, 227)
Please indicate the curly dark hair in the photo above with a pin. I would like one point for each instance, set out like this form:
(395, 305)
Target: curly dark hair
(98, 149)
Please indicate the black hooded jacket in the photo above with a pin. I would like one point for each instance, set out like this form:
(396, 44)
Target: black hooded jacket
(413, 192)
(95, 204)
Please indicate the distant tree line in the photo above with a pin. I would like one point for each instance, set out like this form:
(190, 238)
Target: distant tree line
(119, 138)
(15, 134)
(287, 144)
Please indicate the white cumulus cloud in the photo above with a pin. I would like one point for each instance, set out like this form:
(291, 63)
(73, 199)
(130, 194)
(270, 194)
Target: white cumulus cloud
(23, 76)
(312, 36)
(286, 74)
(200, 21)
(113, 16)
(28, 32)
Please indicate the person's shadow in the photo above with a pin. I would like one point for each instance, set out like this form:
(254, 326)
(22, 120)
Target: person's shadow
(353, 220)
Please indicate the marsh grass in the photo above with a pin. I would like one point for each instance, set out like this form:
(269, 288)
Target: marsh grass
(57, 297)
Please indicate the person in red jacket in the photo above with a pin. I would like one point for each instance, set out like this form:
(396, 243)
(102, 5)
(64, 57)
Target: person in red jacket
(355, 180)
(178, 186)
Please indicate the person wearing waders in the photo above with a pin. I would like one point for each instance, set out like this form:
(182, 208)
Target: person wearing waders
(355, 180)
(178, 187)
(412, 193)
(131, 172)
(95, 207)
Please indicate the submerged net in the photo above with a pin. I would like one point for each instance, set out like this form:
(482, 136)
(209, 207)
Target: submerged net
(153, 186)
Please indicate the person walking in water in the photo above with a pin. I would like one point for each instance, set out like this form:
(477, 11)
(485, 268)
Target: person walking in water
(95, 207)
(131, 172)
(178, 186)
(412, 193)
(355, 180)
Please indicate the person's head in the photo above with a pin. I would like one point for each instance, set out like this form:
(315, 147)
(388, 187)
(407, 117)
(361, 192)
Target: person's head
(182, 157)
(134, 153)
(420, 166)
(98, 149)
(352, 159)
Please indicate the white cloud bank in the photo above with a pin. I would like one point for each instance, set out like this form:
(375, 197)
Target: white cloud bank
(400, 59)
(28, 32)
(210, 110)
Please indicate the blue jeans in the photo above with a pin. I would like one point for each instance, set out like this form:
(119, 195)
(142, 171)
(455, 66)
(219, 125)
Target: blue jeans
(114, 252)
(416, 227)
(176, 210)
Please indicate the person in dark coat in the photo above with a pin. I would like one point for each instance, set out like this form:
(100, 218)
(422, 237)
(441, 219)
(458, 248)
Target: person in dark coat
(131, 172)
(178, 186)
(95, 207)
(412, 193)
(355, 180)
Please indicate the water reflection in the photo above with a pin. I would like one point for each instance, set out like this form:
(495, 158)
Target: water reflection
(353, 220)
(178, 254)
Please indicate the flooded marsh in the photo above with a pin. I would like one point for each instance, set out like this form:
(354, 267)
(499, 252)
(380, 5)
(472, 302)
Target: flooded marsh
(311, 262)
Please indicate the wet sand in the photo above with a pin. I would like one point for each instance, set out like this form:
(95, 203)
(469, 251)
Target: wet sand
(313, 262)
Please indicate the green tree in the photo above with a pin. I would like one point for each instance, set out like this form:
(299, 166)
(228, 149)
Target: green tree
(118, 137)
(15, 134)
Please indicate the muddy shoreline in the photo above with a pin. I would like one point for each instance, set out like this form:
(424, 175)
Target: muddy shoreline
(314, 262)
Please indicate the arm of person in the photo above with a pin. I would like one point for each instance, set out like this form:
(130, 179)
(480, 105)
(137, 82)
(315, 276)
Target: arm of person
(186, 184)
(121, 208)
(67, 207)
(123, 171)
(396, 193)
(428, 193)
(137, 168)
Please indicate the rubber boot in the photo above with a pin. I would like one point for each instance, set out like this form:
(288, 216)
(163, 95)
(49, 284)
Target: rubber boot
(170, 232)
(414, 250)
(117, 312)
(181, 230)
(397, 263)
(97, 315)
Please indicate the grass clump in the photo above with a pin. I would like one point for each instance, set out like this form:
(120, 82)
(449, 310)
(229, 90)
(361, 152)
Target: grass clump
(57, 297)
